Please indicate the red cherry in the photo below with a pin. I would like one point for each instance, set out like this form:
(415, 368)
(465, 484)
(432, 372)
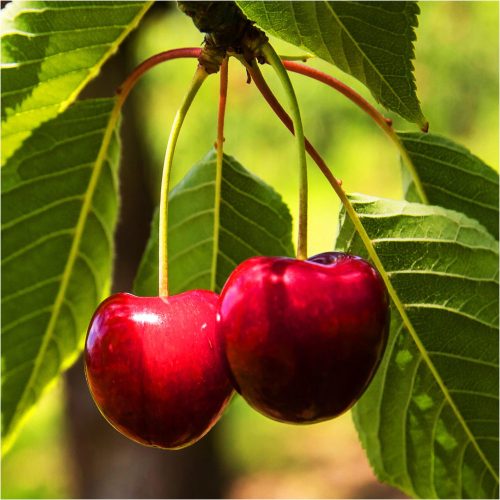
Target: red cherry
(303, 339)
(154, 369)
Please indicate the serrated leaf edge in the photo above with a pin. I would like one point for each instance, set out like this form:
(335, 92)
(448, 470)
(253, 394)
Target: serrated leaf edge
(382, 78)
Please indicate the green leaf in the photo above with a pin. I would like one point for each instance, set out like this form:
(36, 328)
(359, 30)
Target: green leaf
(372, 41)
(453, 177)
(59, 209)
(253, 220)
(429, 420)
(50, 51)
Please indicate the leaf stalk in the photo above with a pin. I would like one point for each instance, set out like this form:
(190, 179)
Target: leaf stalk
(384, 123)
(124, 89)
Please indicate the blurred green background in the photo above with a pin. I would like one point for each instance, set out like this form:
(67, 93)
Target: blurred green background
(457, 78)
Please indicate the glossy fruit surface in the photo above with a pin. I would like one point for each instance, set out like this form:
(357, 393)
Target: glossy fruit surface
(153, 366)
(303, 339)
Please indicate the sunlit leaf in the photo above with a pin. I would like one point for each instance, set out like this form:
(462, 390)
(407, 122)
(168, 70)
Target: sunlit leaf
(429, 420)
(59, 207)
(372, 41)
(50, 51)
(253, 220)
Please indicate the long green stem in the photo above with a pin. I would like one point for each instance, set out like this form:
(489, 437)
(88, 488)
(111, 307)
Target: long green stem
(123, 92)
(278, 109)
(274, 60)
(218, 172)
(357, 99)
(198, 79)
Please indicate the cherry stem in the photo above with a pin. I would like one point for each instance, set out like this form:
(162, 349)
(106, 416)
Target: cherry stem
(198, 79)
(274, 60)
(124, 89)
(266, 92)
(384, 123)
(282, 114)
(220, 158)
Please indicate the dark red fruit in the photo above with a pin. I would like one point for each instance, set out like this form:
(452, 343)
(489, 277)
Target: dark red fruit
(154, 368)
(303, 339)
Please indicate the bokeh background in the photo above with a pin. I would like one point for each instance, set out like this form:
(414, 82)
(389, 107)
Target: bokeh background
(67, 450)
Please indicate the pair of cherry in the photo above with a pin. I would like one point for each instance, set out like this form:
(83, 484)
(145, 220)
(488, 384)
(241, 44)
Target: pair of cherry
(299, 340)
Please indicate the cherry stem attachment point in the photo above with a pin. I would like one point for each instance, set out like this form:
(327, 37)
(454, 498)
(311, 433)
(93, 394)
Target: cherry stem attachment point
(384, 123)
(273, 59)
(198, 79)
(220, 158)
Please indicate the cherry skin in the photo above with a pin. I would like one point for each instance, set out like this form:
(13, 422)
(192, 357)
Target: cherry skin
(154, 369)
(303, 339)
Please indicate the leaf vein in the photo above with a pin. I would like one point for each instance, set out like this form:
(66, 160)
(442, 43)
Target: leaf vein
(33, 245)
(31, 288)
(44, 208)
(449, 310)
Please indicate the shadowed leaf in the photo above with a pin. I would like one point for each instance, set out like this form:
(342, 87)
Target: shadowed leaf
(453, 177)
